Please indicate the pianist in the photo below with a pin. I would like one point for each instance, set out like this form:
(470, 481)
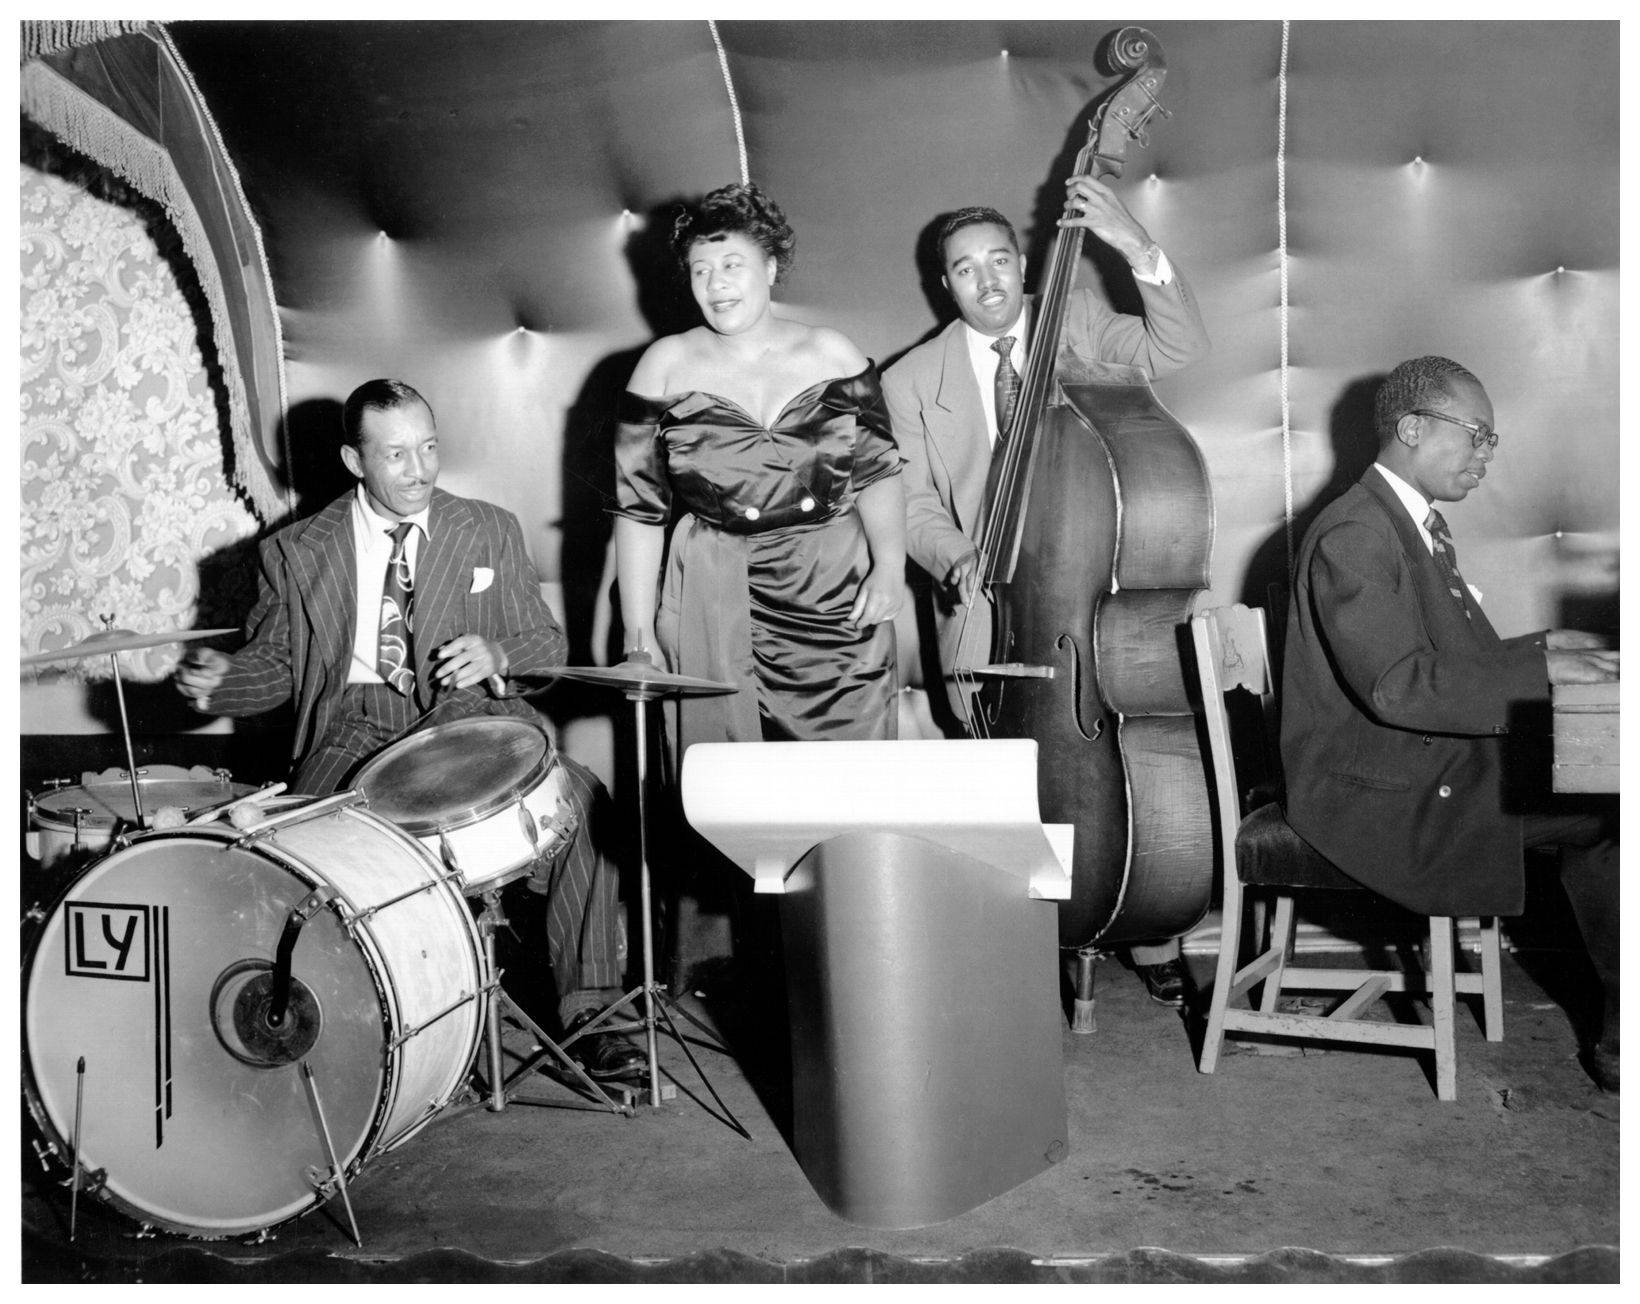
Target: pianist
(1399, 698)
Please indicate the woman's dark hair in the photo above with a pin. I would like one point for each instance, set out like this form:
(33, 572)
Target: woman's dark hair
(737, 209)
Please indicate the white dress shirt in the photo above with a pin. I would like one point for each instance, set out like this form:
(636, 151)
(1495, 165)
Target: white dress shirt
(372, 549)
(986, 360)
(1417, 508)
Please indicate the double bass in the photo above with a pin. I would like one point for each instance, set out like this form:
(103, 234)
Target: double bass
(1096, 540)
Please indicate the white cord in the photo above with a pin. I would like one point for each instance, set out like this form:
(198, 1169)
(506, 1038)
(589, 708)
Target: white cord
(734, 101)
(1281, 227)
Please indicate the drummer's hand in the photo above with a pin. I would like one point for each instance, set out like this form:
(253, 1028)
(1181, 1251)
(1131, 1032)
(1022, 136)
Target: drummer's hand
(468, 659)
(198, 674)
(881, 595)
(963, 578)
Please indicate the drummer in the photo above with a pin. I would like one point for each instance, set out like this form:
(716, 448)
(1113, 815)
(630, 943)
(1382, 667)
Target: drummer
(397, 599)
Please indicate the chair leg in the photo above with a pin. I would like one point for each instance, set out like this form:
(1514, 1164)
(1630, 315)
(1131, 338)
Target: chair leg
(1281, 941)
(1230, 925)
(1442, 1001)
(1492, 978)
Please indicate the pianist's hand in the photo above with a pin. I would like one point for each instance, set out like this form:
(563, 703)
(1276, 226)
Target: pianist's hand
(1568, 640)
(1589, 666)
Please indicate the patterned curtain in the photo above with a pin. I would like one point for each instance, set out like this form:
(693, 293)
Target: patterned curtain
(125, 498)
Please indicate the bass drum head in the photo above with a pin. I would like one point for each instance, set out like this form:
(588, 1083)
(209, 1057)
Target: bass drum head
(187, 1134)
(454, 774)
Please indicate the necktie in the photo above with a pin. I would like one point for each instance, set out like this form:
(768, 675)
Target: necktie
(1446, 556)
(1007, 386)
(393, 661)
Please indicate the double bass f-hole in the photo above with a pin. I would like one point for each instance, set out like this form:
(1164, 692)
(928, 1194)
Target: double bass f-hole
(1079, 695)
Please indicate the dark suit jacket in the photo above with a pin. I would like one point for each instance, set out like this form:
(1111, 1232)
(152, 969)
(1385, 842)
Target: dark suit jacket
(301, 629)
(939, 424)
(1394, 708)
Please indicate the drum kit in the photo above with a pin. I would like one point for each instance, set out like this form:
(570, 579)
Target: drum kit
(239, 1000)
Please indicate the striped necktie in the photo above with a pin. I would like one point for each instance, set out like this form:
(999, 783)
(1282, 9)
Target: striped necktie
(1446, 556)
(393, 659)
(1007, 386)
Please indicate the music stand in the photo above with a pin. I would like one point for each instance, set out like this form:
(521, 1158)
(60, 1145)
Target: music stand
(642, 682)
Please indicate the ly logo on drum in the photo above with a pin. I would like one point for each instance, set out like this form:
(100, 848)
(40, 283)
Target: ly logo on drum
(107, 941)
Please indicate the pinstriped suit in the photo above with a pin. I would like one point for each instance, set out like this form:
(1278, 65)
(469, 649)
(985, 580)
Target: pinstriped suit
(301, 643)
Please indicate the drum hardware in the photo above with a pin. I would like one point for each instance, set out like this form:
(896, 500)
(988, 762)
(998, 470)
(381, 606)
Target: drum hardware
(420, 1028)
(280, 985)
(642, 682)
(79, 1111)
(501, 1091)
(259, 1039)
(330, 1149)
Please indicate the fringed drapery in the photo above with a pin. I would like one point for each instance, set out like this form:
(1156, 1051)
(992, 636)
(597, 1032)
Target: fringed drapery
(42, 36)
(85, 123)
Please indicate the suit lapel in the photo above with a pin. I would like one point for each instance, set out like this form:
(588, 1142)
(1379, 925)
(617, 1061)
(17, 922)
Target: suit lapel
(960, 439)
(439, 572)
(1442, 616)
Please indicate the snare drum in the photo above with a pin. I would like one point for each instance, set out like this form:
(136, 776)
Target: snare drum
(79, 820)
(155, 967)
(485, 795)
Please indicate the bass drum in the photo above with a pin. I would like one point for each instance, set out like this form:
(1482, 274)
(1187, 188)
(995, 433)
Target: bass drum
(154, 970)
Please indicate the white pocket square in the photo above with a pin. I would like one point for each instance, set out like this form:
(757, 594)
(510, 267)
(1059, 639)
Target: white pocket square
(483, 577)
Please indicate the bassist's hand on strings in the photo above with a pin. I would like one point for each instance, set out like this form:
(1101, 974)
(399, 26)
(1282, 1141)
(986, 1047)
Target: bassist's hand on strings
(963, 578)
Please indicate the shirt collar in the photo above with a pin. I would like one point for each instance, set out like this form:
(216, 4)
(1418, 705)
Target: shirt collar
(978, 341)
(1416, 506)
(368, 518)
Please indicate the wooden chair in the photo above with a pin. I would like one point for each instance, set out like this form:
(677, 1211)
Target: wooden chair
(1261, 852)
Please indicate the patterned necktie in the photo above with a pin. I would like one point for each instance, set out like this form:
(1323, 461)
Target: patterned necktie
(1007, 386)
(393, 661)
(1446, 556)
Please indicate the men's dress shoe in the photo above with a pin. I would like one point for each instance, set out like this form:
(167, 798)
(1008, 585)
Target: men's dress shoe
(1167, 982)
(1601, 1061)
(604, 1055)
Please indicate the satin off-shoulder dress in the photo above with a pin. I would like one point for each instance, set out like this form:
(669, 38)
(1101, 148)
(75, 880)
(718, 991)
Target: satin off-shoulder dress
(767, 557)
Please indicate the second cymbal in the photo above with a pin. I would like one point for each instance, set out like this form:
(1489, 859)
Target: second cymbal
(119, 640)
(641, 677)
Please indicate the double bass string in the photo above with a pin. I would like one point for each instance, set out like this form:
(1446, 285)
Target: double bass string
(1014, 466)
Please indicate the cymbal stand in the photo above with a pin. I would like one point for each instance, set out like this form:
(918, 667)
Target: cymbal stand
(491, 918)
(658, 1005)
(125, 728)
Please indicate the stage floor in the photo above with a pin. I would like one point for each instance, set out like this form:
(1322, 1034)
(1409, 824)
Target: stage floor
(1334, 1166)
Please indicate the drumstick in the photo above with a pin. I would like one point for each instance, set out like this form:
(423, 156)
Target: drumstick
(211, 812)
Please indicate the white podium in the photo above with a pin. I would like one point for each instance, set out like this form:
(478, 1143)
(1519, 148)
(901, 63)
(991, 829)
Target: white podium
(917, 887)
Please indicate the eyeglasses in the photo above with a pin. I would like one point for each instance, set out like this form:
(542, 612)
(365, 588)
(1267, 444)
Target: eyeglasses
(1481, 435)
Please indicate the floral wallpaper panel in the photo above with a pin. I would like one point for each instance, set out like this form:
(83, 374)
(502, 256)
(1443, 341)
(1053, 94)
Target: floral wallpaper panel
(125, 498)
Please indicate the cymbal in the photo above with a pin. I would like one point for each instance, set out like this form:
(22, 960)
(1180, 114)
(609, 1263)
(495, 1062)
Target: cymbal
(639, 677)
(109, 641)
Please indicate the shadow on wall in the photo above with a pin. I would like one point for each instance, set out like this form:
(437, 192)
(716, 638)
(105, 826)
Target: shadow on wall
(1115, 278)
(588, 470)
(1354, 447)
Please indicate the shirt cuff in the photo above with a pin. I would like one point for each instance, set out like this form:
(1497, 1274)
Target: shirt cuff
(1163, 275)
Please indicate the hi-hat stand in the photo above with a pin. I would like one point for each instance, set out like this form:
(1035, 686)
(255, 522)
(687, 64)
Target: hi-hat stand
(642, 682)
(501, 1085)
